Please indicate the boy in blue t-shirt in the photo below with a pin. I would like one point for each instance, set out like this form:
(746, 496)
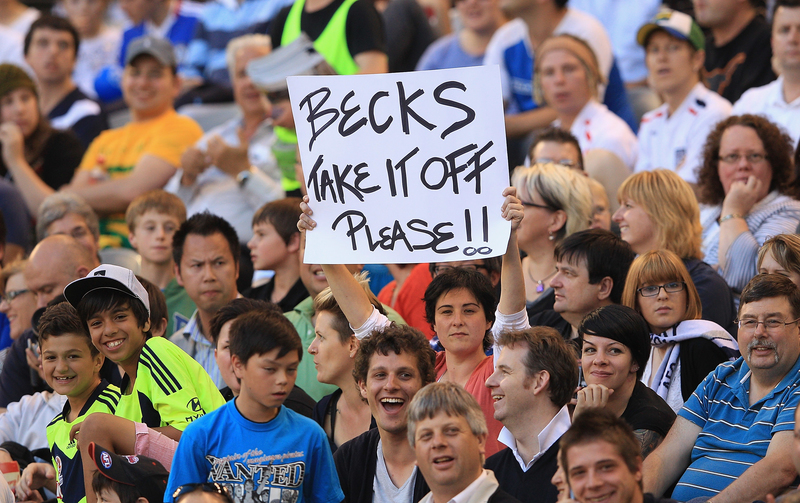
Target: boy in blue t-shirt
(253, 445)
(71, 366)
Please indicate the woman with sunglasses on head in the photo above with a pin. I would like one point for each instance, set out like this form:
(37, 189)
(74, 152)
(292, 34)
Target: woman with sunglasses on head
(683, 348)
(746, 183)
(557, 202)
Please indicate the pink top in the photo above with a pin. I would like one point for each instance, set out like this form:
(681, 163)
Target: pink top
(476, 385)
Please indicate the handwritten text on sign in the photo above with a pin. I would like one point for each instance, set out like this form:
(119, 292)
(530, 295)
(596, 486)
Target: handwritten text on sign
(403, 168)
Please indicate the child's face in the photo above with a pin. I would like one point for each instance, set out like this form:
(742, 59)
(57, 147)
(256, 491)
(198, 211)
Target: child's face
(222, 353)
(116, 334)
(267, 248)
(152, 236)
(266, 379)
(107, 496)
(69, 366)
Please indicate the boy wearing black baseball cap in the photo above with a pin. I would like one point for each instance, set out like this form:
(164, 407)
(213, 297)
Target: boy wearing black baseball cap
(127, 479)
(164, 389)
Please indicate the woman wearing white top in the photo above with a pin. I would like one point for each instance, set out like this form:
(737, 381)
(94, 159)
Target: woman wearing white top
(745, 185)
(566, 78)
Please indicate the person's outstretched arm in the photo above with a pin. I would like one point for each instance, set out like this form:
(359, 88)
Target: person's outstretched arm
(512, 282)
(345, 288)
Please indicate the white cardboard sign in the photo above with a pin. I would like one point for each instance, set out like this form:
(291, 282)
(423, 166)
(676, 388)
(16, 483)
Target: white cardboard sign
(404, 167)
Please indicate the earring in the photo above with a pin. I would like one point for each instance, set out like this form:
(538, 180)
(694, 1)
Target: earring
(551, 237)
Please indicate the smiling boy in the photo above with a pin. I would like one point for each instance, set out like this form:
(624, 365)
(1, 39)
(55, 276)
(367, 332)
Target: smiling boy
(391, 366)
(164, 389)
(71, 367)
(255, 446)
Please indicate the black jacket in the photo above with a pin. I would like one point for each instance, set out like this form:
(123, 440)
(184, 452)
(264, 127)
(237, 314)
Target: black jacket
(356, 461)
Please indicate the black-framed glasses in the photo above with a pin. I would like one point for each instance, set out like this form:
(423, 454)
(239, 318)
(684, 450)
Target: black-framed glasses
(439, 269)
(534, 205)
(733, 158)
(206, 487)
(652, 290)
(13, 294)
(771, 324)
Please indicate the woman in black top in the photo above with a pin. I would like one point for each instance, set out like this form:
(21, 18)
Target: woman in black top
(27, 138)
(616, 347)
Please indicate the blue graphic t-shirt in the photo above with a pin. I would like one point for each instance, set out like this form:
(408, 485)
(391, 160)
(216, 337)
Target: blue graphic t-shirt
(286, 459)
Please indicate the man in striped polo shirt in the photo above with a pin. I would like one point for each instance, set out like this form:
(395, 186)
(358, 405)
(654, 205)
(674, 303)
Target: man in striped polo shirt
(732, 439)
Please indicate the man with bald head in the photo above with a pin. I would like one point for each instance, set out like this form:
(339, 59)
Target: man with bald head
(53, 263)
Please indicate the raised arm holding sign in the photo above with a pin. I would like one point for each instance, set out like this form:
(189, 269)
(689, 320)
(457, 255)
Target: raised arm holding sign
(460, 305)
(403, 168)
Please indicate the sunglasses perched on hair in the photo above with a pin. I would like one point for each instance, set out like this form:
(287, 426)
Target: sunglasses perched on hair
(206, 487)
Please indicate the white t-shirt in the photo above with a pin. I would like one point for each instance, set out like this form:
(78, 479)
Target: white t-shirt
(675, 142)
(24, 21)
(596, 127)
(94, 54)
(383, 487)
(769, 101)
(11, 48)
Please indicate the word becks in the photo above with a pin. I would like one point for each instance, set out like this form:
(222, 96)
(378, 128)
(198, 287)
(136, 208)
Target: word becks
(346, 111)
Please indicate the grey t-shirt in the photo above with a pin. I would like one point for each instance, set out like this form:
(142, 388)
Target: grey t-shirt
(384, 489)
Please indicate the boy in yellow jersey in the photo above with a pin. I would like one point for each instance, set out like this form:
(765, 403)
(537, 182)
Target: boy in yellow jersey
(71, 365)
(164, 389)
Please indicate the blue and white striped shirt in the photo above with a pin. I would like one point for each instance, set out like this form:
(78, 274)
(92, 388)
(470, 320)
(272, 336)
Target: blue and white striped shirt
(735, 434)
(773, 215)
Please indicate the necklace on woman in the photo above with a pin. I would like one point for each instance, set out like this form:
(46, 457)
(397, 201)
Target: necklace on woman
(540, 282)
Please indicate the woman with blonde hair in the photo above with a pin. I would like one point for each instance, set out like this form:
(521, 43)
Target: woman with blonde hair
(557, 202)
(684, 348)
(658, 211)
(781, 255)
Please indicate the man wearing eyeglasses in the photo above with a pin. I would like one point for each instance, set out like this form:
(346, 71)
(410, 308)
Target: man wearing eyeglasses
(732, 439)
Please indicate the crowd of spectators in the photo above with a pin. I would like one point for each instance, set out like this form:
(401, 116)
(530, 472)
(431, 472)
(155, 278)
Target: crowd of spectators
(163, 339)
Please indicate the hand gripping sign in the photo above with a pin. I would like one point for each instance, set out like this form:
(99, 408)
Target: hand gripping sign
(405, 167)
